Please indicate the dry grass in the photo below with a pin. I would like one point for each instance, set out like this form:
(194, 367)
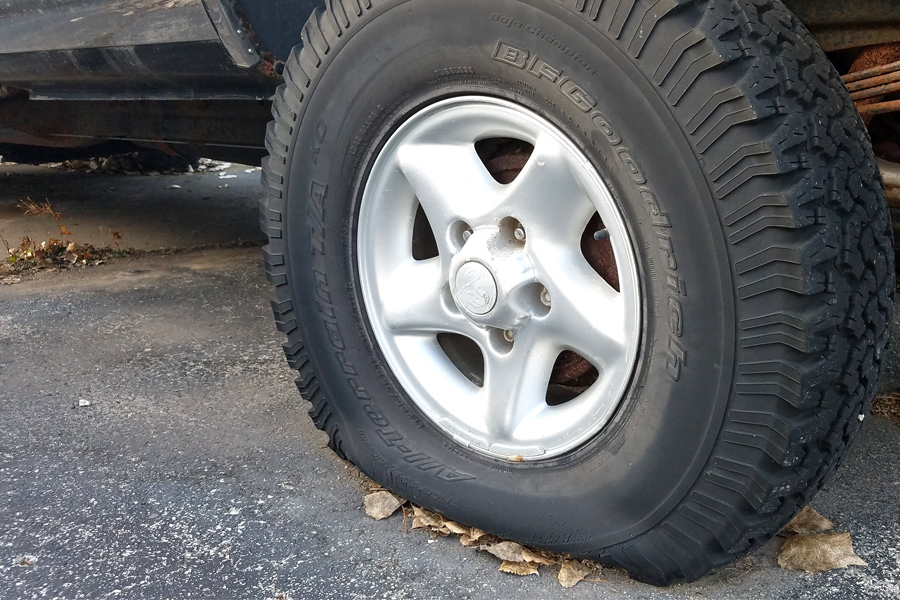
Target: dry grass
(30, 207)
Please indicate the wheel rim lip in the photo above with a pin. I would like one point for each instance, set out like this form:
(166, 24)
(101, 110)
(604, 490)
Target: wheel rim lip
(404, 354)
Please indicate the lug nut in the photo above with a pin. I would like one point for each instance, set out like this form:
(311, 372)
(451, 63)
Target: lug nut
(466, 235)
(545, 297)
(519, 233)
(509, 335)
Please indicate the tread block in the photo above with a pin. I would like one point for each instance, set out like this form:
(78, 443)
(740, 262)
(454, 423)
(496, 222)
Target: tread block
(652, 14)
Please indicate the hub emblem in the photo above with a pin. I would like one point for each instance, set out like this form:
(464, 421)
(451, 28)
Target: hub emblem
(476, 290)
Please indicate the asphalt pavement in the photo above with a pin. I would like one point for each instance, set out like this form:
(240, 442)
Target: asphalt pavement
(153, 445)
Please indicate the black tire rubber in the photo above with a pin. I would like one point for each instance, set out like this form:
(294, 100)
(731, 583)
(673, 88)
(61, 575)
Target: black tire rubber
(730, 143)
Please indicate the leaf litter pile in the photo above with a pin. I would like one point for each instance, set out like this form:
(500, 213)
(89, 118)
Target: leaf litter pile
(52, 254)
(811, 545)
(63, 253)
(516, 559)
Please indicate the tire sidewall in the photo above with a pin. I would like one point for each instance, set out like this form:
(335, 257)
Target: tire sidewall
(641, 465)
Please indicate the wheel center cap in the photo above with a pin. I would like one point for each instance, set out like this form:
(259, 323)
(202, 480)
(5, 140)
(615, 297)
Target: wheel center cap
(476, 290)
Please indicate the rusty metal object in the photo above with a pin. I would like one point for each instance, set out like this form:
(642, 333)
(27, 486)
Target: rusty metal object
(874, 66)
(863, 84)
(873, 63)
(874, 92)
(873, 77)
(508, 162)
(839, 25)
(573, 370)
(860, 84)
(879, 108)
(856, 74)
(237, 32)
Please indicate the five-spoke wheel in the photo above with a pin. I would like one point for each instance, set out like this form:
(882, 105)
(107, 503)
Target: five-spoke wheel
(489, 301)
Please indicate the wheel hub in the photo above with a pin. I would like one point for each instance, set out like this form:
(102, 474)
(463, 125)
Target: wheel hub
(492, 280)
(476, 288)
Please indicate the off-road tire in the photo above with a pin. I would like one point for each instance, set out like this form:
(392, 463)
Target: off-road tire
(784, 272)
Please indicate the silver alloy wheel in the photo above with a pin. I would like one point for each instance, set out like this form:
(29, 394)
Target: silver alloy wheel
(509, 275)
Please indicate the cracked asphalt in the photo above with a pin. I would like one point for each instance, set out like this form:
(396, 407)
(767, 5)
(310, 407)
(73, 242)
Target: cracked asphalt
(152, 443)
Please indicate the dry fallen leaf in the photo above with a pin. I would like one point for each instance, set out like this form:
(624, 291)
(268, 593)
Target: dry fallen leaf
(26, 560)
(381, 504)
(539, 557)
(425, 519)
(809, 522)
(888, 407)
(506, 551)
(818, 553)
(454, 527)
(573, 571)
(471, 537)
(518, 568)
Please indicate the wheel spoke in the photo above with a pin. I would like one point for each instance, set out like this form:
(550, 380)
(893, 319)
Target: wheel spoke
(515, 383)
(412, 301)
(450, 182)
(588, 316)
(548, 195)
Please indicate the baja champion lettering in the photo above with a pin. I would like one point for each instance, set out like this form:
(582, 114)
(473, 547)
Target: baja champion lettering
(537, 32)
